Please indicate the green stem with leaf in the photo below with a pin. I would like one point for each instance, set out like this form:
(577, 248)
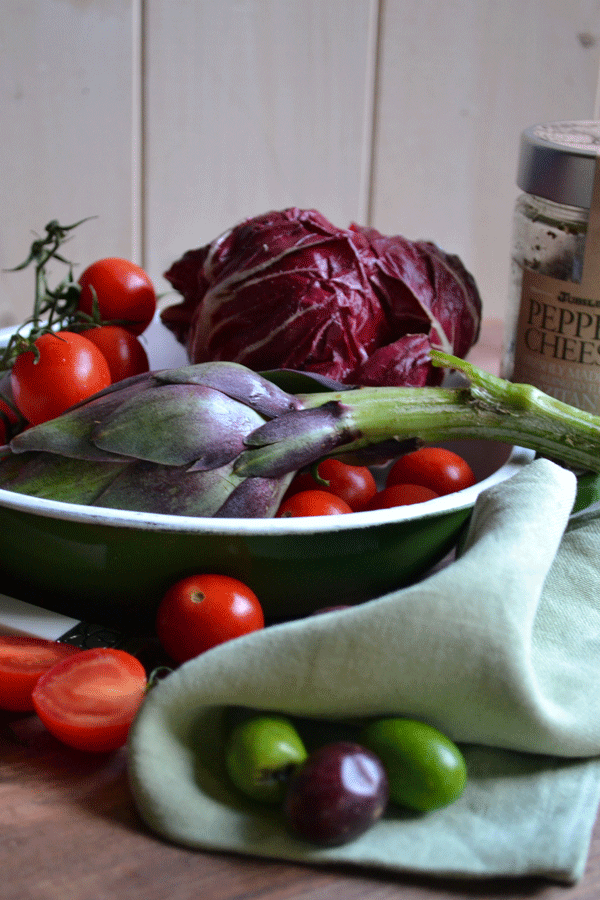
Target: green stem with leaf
(52, 308)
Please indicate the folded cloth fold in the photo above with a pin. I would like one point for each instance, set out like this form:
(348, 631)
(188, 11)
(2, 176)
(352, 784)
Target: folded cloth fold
(500, 650)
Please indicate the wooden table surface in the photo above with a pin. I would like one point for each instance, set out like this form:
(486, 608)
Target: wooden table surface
(69, 830)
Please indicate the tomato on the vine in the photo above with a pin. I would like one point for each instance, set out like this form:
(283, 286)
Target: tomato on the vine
(123, 290)
(23, 660)
(434, 467)
(312, 503)
(89, 700)
(69, 369)
(354, 484)
(201, 611)
(122, 350)
(401, 495)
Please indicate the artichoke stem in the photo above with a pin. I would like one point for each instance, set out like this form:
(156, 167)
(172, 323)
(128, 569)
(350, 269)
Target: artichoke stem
(488, 408)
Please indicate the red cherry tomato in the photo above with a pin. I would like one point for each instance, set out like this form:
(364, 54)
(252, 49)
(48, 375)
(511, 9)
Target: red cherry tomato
(312, 503)
(23, 660)
(123, 352)
(124, 291)
(201, 611)
(354, 484)
(69, 369)
(89, 700)
(401, 495)
(434, 467)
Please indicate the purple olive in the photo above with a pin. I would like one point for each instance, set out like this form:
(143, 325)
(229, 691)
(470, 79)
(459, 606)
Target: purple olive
(337, 794)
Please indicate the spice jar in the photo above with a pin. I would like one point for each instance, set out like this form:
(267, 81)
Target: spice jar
(552, 335)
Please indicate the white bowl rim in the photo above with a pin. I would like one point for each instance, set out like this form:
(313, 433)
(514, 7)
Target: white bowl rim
(117, 518)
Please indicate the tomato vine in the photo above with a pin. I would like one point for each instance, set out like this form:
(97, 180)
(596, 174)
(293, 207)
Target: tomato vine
(110, 304)
(53, 308)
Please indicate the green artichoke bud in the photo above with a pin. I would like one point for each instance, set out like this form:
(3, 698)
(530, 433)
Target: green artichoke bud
(216, 439)
(161, 442)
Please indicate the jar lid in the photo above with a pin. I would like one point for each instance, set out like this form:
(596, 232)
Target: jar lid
(557, 161)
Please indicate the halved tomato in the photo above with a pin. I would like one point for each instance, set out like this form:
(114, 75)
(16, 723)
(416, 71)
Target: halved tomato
(23, 660)
(89, 701)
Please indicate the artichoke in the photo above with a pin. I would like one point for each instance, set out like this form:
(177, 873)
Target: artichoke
(161, 442)
(217, 439)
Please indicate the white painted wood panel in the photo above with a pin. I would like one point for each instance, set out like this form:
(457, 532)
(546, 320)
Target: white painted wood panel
(458, 81)
(66, 121)
(254, 105)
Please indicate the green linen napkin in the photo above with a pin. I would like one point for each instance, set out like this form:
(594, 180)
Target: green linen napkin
(500, 650)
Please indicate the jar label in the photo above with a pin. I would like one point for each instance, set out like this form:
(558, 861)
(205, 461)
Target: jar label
(557, 344)
(558, 340)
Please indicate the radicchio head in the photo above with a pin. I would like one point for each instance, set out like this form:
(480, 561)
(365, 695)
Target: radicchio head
(290, 290)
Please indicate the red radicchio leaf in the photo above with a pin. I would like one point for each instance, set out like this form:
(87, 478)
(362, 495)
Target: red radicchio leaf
(290, 290)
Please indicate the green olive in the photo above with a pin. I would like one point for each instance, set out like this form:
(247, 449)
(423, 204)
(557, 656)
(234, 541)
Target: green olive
(261, 755)
(425, 769)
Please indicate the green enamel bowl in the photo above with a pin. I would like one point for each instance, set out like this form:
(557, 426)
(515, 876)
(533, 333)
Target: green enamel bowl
(113, 567)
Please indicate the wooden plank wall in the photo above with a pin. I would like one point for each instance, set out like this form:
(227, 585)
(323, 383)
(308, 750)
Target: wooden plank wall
(170, 120)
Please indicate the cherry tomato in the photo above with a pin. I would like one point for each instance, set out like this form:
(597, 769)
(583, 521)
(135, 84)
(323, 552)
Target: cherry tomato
(434, 467)
(124, 291)
(89, 700)
(401, 495)
(70, 368)
(201, 611)
(354, 484)
(123, 352)
(22, 661)
(312, 503)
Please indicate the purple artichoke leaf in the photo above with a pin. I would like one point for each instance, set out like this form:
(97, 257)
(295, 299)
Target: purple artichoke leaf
(237, 382)
(169, 490)
(71, 433)
(125, 387)
(294, 441)
(255, 498)
(52, 477)
(178, 425)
